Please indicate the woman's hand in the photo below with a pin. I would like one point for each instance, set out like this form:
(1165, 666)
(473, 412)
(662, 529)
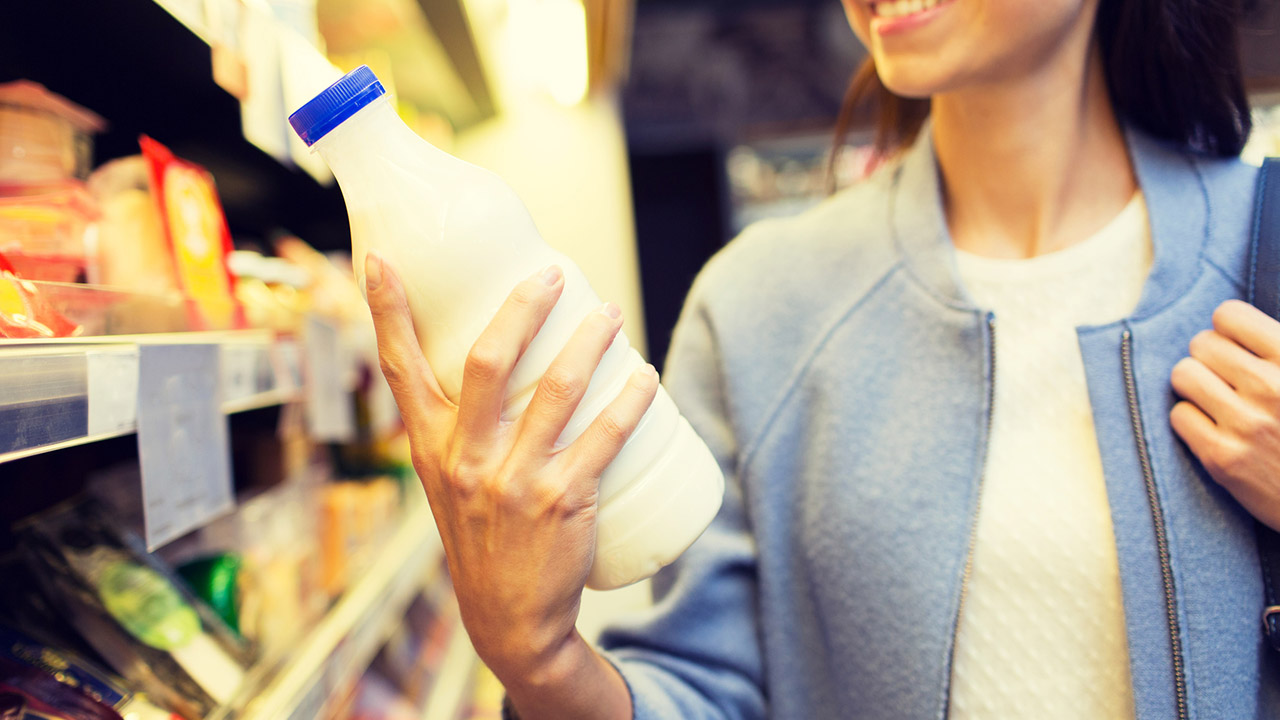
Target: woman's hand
(1230, 413)
(516, 514)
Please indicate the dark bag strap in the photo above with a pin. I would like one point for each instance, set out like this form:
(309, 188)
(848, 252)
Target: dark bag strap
(1264, 293)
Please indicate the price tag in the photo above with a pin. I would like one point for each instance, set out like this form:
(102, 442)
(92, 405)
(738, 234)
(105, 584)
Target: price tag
(330, 415)
(183, 447)
(304, 73)
(113, 390)
(239, 372)
(263, 118)
(286, 363)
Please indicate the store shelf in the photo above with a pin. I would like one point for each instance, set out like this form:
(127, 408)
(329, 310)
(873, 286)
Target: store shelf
(454, 683)
(143, 70)
(58, 394)
(339, 650)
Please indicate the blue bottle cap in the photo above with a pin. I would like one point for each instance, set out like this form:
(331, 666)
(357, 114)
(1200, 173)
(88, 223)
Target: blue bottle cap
(338, 102)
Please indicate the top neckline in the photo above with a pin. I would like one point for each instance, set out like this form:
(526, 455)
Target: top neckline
(1108, 241)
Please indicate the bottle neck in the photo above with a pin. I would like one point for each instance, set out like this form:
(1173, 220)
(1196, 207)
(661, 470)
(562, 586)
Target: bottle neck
(363, 137)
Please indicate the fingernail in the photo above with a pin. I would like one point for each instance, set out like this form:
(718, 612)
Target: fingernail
(372, 271)
(551, 274)
(611, 310)
(649, 370)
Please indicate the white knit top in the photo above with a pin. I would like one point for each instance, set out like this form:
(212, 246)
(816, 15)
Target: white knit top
(1042, 631)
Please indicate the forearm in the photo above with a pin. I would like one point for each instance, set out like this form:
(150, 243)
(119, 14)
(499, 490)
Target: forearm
(577, 684)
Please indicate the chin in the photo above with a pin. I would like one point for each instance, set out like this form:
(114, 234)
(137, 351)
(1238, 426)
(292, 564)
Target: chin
(918, 79)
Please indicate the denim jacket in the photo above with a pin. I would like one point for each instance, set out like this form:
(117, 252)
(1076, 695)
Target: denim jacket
(844, 380)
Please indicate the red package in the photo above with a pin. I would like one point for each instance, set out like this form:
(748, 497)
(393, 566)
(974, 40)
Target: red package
(196, 230)
(25, 313)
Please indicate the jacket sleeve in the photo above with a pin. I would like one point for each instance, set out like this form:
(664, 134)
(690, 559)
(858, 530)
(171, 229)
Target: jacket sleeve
(696, 653)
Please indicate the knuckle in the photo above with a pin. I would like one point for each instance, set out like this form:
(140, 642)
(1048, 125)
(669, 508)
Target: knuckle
(524, 295)
(424, 463)
(1229, 458)
(462, 474)
(392, 369)
(561, 387)
(1251, 425)
(551, 496)
(1266, 382)
(611, 429)
(485, 362)
(506, 497)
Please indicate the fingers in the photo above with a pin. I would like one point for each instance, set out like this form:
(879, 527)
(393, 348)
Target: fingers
(1195, 428)
(1193, 381)
(565, 382)
(1250, 327)
(601, 442)
(417, 393)
(498, 349)
(1228, 359)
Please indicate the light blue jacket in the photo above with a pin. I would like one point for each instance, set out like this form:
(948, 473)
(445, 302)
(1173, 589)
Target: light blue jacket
(842, 377)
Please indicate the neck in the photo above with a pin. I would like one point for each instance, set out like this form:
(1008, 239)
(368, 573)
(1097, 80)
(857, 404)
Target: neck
(1034, 165)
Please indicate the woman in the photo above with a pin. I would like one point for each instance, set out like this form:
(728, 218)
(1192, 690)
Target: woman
(923, 520)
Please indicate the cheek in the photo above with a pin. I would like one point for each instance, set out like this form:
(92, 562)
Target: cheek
(859, 19)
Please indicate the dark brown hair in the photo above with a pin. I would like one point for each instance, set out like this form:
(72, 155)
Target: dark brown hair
(1172, 68)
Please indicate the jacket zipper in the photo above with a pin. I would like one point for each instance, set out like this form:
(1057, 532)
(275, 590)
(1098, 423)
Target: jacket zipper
(977, 505)
(1157, 516)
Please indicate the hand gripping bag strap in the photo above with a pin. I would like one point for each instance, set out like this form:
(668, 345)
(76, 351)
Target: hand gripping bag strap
(1264, 293)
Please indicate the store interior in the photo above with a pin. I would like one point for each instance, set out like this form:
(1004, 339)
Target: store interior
(208, 505)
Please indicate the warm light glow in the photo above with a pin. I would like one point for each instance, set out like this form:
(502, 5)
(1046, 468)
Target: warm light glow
(549, 37)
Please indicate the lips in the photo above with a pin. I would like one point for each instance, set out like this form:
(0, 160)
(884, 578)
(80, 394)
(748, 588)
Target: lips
(904, 8)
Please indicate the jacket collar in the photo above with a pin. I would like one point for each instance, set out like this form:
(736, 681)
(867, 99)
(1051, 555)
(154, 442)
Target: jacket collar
(1172, 186)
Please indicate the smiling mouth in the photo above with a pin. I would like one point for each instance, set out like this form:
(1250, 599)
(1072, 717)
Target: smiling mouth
(903, 8)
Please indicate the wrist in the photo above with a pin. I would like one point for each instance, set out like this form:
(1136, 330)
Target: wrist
(538, 668)
(576, 683)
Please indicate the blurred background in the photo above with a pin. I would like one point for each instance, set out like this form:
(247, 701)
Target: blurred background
(642, 134)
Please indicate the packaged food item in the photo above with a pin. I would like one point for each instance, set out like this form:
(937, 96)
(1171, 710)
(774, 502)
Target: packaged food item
(332, 287)
(258, 568)
(215, 580)
(131, 251)
(354, 517)
(133, 611)
(377, 698)
(43, 136)
(461, 240)
(25, 312)
(197, 234)
(278, 589)
(270, 290)
(41, 674)
(51, 682)
(44, 234)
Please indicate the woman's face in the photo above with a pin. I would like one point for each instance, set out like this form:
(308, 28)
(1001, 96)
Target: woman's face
(926, 47)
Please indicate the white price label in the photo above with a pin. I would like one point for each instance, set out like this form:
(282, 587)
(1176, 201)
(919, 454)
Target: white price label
(113, 390)
(330, 416)
(183, 447)
(239, 372)
(286, 363)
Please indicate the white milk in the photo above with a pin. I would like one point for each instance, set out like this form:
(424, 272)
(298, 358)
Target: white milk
(460, 240)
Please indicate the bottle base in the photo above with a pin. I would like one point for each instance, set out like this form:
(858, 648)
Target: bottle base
(650, 524)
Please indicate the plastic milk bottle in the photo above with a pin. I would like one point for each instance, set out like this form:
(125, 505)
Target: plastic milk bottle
(461, 240)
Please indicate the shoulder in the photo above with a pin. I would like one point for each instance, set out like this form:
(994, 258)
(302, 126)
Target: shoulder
(780, 269)
(1188, 181)
(1230, 186)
